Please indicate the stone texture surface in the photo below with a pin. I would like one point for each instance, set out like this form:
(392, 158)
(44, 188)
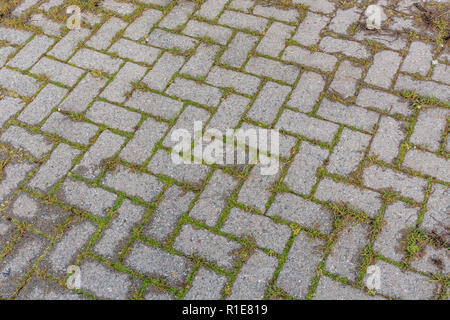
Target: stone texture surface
(90, 179)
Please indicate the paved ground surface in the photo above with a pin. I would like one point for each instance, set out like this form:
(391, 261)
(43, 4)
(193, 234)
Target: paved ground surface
(87, 184)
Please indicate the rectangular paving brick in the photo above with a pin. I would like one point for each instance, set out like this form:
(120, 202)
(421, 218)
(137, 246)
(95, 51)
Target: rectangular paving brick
(324, 6)
(155, 104)
(229, 113)
(199, 29)
(114, 237)
(283, 14)
(346, 47)
(319, 60)
(162, 71)
(214, 198)
(346, 79)
(14, 36)
(209, 246)
(67, 45)
(252, 281)
(428, 163)
(328, 289)
(272, 69)
(31, 53)
(17, 82)
(37, 145)
(164, 219)
(57, 71)
(301, 175)
(156, 263)
(275, 38)
(240, 82)
(93, 60)
(307, 92)
(141, 185)
(43, 103)
(384, 67)
(9, 106)
(309, 30)
(102, 38)
(300, 266)
(55, 168)
(348, 153)
(122, 84)
(134, 51)
(80, 195)
(190, 90)
(419, 58)
(14, 173)
(429, 127)
(167, 40)
(238, 49)
(269, 102)
(178, 15)
(423, 88)
(381, 100)
(211, 8)
(386, 143)
(360, 199)
(436, 218)
(243, 21)
(142, 25)
(105, 147)
(113, 116)
(207, 285)
(199, 64)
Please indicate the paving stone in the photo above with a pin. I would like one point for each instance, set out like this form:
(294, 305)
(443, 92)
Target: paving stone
(243, 5)
(256, 189)
(301, 176)
(46, 6)
(304, 212)
(190, 90)
(384, 67)
(161, 3)
(386, 143)
(93, 60)
(119, 7)
(113, 116)
(383, 178)
(370, 98)
(307, 92)
(238, 49)
(429, 127)
(186, 121)
(165, 218)
(82, 196)
(19, 137)
(167, 40)
(348, 153)
(17, 82)
(263, 230)
(436, 219)
(404, 285)
(13, 174)
(16, 265)
(398, 220)
(319, 60)
(200, 63)
(269, 102)
(67, 45)
(211, 8)
(388, 40)
(14, 36)
(122, 84)
(162, 163)
(275, 38)
(209, 246)
(272, 69)
(178, 15)
(54, 169)
(24, 6)
(142, 185)
(214, 198)
(5, 53)
(229, 113)
(65, 251)
(240, 20)
(308, 32)
(346, 47)
(162, 71)
(145, 139)
(83, 93)
(357, 198)
(49, 26)
(157, 294)
(42, 105)
(239, 81)
(115, 236)
(105, 147)
(31, 53)
(155, 104)
(351, 115)
(434, 260)
(142, 25)
(328, 289)
(440, 73)
(423, 88)
(61, 125)
(418, 59)
(156, 263)
(9, 106)
(324, 6)
(199, 29)
(207, 285)
(134, 51)
(7, 231)
(345, 256)
(300, 266)
(57, 71)
(344, 19)
(43, 217)
(40, 289)
(252, 281)
(346, 79)
(288, 15)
